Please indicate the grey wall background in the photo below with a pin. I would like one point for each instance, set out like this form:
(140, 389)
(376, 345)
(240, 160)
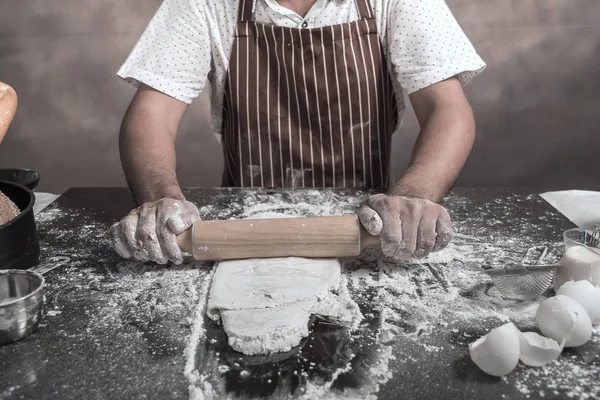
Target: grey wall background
(537, 105)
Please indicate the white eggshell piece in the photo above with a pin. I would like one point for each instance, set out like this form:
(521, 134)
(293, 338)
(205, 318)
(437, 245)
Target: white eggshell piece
(560, 317)
(585, 294)
(537, 350)
(497, 353)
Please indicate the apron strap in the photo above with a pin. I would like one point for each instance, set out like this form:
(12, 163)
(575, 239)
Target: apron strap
(245, 10)
(364, 9)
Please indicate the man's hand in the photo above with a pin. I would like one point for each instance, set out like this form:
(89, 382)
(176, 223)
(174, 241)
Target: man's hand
(407, 226)
(148, 233)
(408, 220)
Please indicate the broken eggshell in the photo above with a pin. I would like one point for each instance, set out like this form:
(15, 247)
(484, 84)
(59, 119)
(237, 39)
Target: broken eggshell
(560, 317)
(497, 353)
(537, 350)
(585, 294)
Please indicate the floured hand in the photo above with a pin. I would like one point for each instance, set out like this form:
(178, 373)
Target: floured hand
(149, 232)
(408, 226)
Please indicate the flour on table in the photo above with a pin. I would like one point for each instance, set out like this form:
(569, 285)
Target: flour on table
(265, 304)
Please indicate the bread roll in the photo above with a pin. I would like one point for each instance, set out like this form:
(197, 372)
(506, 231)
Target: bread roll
(8, 107)
(8, 210)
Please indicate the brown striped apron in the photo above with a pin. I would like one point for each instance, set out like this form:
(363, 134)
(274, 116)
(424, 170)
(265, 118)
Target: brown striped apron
(308, 107)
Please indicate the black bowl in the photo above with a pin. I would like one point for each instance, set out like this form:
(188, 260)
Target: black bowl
(22, 176)
(19, 246)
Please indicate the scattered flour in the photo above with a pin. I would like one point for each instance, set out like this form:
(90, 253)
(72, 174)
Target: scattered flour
(445, 291)
(566, 377)
(199, 388)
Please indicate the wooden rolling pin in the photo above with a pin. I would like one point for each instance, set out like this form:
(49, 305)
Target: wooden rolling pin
(8, 107)
(317, 237)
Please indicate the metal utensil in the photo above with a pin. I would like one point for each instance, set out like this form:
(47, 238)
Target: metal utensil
(22, 298)
(523, 281)
(594, 240)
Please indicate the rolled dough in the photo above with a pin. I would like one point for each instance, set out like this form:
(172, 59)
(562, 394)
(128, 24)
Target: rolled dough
(265, 304)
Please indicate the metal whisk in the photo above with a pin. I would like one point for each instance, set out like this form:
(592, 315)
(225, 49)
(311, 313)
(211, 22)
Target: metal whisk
(524, 282)
(594, 240)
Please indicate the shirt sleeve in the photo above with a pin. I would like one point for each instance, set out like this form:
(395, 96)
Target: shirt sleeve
(173, 55)
(426, 45)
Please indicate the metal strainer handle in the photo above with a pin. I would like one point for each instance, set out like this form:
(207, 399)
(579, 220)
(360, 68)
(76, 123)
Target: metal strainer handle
(521, 270)
(53, 262)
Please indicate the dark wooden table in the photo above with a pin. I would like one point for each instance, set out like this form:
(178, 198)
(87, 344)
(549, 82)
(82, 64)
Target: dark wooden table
(116, 329)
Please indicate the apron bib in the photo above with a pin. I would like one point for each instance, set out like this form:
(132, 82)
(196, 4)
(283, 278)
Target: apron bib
(307, 107)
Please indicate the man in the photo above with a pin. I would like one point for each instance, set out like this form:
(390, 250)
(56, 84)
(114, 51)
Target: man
(305, 93)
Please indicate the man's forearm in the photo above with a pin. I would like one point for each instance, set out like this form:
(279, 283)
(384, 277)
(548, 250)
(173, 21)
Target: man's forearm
(442, 148)
(148, 157)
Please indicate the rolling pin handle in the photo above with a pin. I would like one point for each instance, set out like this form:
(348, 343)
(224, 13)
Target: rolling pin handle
(184, 240)
(368, 241)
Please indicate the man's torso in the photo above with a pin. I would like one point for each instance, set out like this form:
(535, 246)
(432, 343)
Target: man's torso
(222, 18)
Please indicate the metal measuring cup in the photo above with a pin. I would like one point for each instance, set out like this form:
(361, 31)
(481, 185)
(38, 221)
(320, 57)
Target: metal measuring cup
(22, 299)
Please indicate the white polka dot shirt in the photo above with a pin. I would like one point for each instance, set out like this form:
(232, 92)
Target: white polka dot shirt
(188, 43)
